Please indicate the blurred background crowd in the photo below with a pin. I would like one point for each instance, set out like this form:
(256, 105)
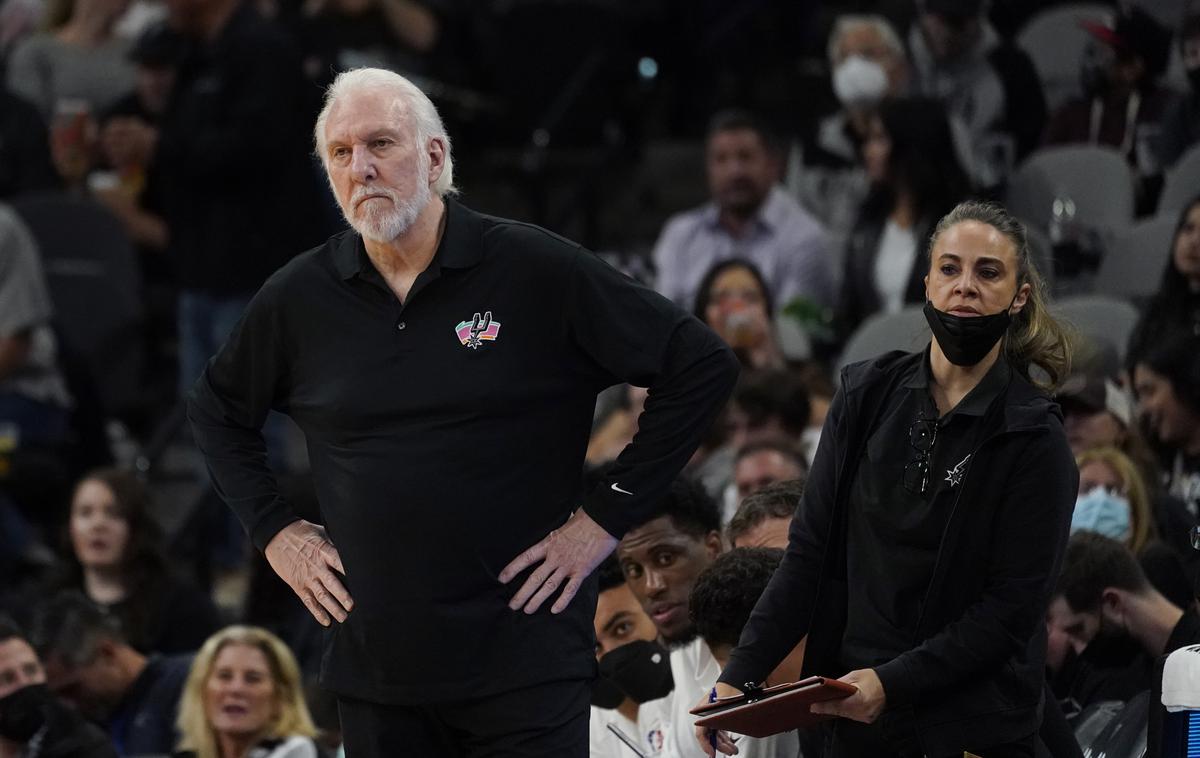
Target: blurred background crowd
(775, 166)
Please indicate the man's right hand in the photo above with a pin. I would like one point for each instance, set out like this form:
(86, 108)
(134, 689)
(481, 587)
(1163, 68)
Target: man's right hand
(302, 555)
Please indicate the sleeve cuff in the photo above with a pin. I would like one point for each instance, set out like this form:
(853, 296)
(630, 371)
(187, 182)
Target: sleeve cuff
(599, 506)
(898, 685)
(739, 671)
(270, 525)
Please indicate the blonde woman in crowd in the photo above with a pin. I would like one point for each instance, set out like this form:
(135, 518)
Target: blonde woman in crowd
(244, 699)
(1113, 499)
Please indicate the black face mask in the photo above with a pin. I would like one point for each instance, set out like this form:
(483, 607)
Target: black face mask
(1193, 75)
(965, 340)
(606, 694)
(23, 713)
(640, 670)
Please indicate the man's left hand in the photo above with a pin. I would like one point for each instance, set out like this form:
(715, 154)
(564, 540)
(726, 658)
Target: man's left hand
(567, 556)
(864, 705)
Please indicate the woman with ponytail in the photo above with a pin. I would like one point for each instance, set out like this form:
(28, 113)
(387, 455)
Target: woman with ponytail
(926, 546)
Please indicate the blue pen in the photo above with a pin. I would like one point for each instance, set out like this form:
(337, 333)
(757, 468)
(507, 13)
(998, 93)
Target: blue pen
(712, 733)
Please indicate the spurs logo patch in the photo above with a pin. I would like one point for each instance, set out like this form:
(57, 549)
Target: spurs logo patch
(478, 330)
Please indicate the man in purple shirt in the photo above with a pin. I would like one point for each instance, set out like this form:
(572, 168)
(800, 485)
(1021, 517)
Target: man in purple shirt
(749, 217)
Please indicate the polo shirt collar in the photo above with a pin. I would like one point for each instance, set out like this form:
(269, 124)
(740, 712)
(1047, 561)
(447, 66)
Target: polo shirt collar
(459, 247)
(978, 399)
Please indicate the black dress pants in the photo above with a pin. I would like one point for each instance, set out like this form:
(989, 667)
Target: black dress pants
(543, 721)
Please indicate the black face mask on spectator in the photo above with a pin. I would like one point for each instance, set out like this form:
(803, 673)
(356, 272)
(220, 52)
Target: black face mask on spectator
(23, 713)
(640, 670)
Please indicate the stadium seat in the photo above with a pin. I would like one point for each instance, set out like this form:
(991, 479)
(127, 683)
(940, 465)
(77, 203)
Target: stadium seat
(1100, 318)
(903, 330)
(1096, 179)
(95, 285)
(1133, 266)
(1042, 252)
(1182, 183)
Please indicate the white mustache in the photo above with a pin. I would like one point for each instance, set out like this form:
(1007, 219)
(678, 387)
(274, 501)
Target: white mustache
(362, 192)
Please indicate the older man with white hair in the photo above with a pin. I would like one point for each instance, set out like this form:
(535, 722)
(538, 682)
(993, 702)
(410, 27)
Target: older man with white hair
(443, 366)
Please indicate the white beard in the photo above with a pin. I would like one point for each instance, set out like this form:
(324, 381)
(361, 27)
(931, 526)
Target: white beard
(383, 223)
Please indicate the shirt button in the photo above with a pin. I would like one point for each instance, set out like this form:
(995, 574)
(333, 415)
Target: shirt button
(401, 326)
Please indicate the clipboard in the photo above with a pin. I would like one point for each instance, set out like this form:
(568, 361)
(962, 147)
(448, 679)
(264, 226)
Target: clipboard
(782, 708)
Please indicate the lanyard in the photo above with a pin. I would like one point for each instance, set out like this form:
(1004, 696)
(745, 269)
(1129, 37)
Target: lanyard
(1131, 113)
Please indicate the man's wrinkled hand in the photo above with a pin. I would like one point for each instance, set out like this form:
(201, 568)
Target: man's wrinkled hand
(864, 705)
(302, 555)
(567, 556)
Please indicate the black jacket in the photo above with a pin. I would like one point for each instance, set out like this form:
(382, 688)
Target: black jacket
(859, 298)
(67, 734)
(974, 676)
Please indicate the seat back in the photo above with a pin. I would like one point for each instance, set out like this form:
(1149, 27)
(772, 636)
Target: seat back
(1133, 265)
(1106, 320)
(95, 284)
(1042, 252)
(904, 330)
(1097, 180)
(1182, 184)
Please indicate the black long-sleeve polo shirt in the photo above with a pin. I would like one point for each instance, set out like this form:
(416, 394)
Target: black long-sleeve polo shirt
(895, 530)
(440, 451)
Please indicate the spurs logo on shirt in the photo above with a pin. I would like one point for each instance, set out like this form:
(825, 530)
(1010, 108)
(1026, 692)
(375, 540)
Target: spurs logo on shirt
(955, 475)
(473, 333)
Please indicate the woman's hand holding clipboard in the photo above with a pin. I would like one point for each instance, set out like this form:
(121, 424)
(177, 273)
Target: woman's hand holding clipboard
(762, 712)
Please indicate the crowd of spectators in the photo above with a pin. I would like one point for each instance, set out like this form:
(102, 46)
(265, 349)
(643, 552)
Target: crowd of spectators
(184, 124)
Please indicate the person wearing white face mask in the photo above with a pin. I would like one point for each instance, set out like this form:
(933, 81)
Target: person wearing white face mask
(1114, 500)
(867, 64)
(1102, 511)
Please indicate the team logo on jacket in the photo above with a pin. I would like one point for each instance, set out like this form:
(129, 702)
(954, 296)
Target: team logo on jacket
(479, 329)
(954, 475)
